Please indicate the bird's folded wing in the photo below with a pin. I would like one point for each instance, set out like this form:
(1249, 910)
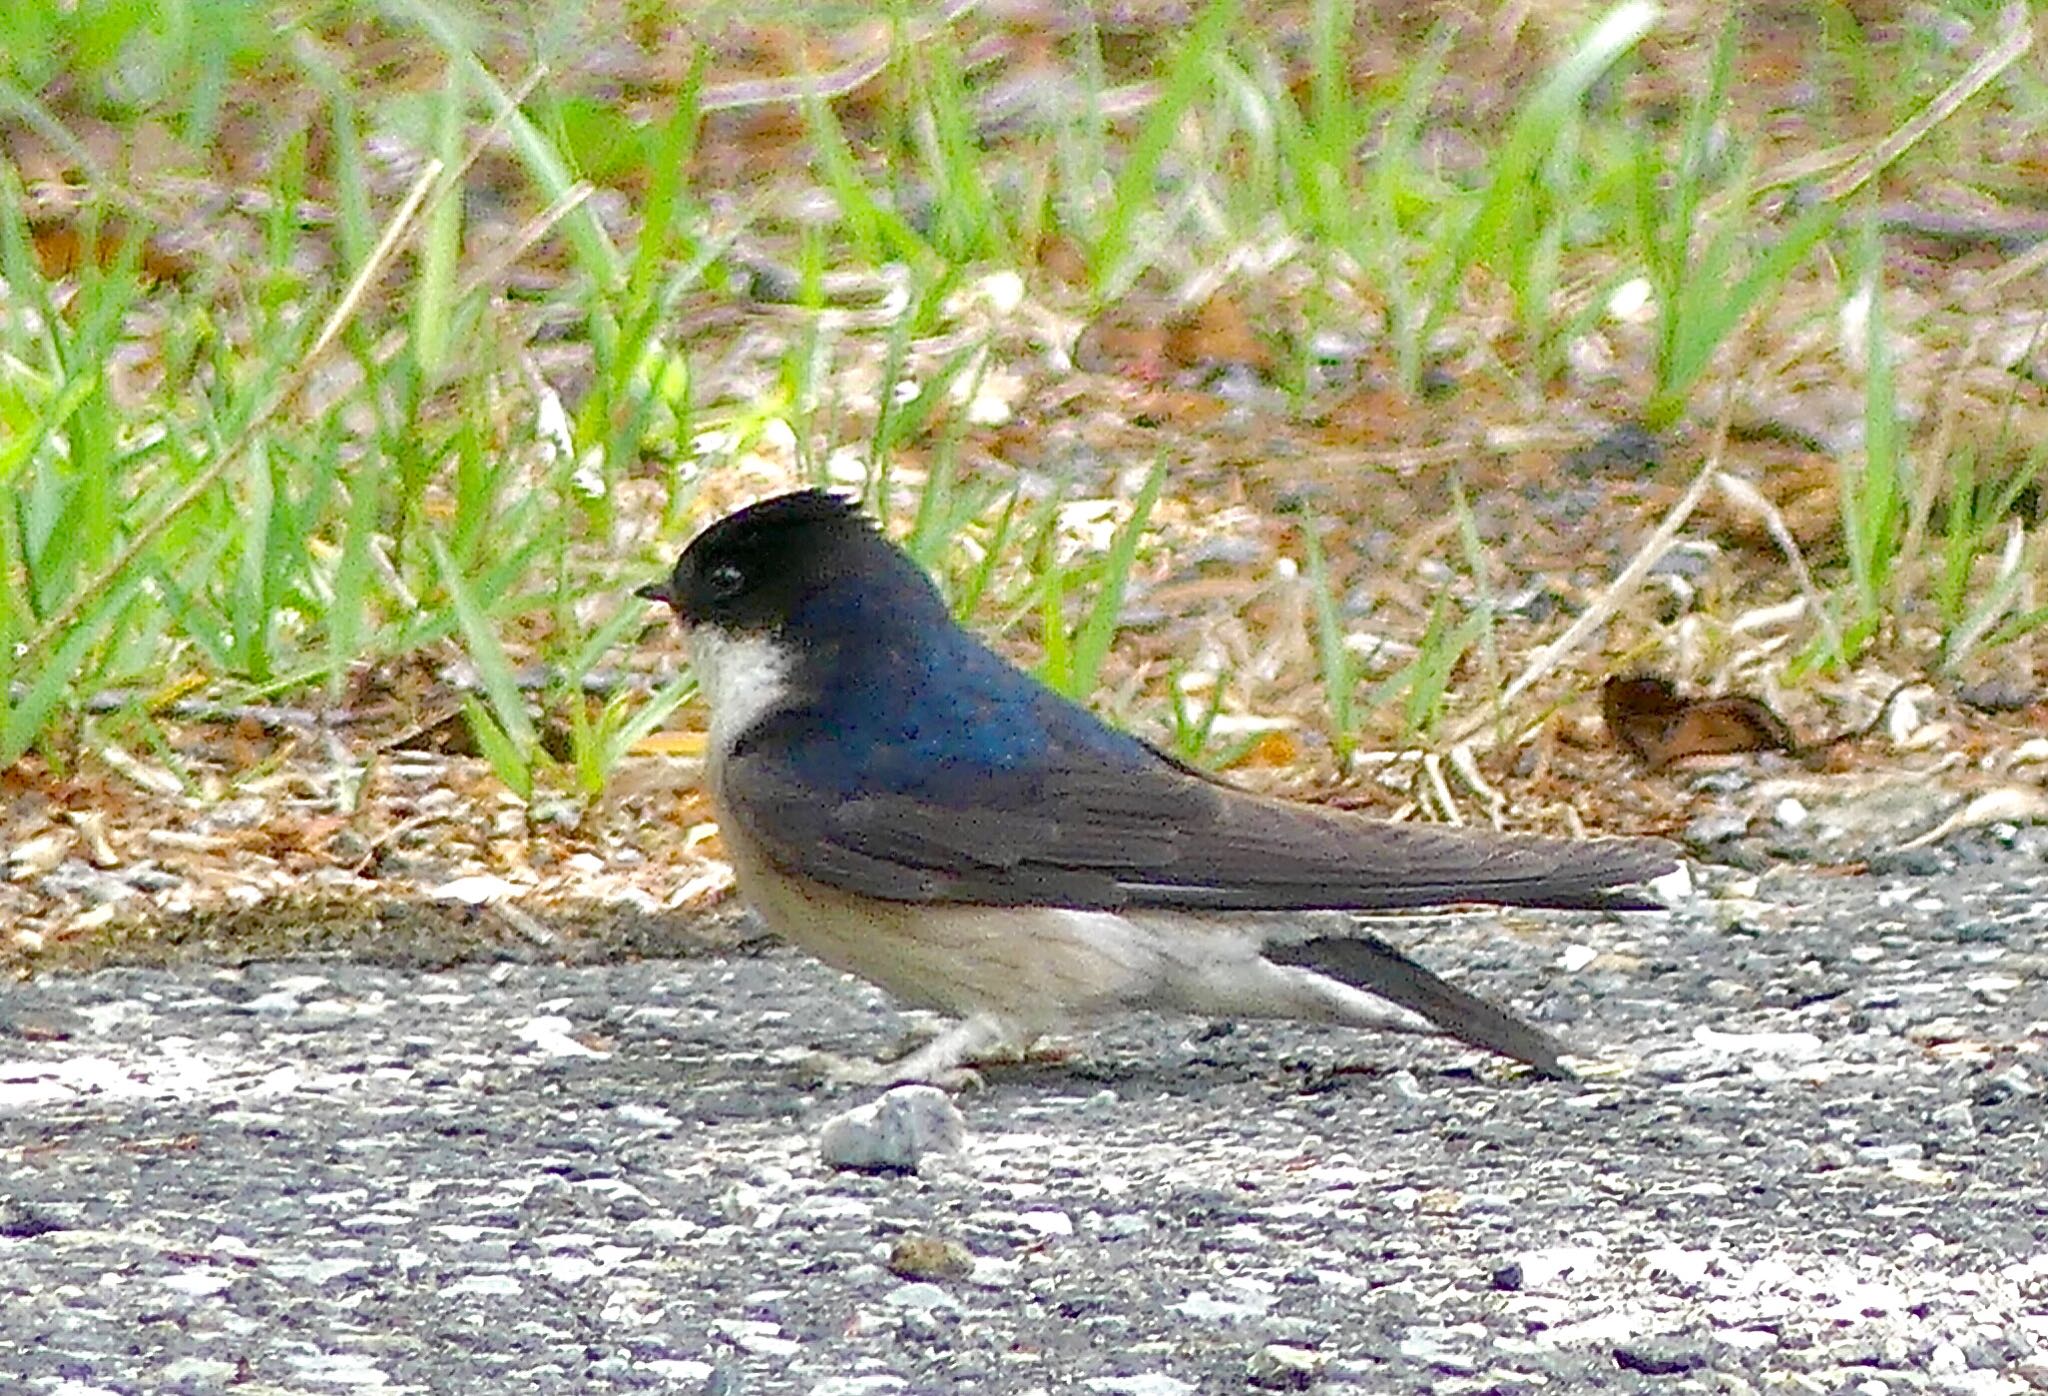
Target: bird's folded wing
(1081, 835)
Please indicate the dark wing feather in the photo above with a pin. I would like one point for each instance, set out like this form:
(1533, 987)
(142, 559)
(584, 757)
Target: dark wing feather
(1083, 834)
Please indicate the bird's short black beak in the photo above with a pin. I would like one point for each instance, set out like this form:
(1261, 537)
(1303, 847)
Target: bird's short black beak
(656, 591)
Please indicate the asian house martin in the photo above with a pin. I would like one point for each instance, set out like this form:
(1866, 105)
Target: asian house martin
(906, 805)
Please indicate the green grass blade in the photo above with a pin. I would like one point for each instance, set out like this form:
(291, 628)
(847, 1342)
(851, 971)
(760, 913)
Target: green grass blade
(1334, 663)
(1098, 631)
(1136, 183)
(493, 667)
(1710, 311)
(57, 678)
(1537, 128)
(507, 754)
(594, 250)
(440, 238)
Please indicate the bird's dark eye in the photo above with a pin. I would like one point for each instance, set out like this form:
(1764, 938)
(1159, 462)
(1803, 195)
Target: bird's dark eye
(725, 579)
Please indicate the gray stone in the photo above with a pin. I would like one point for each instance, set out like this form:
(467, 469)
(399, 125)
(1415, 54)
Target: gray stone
(894, 1134)
(1280, 1367)
(922, 1296)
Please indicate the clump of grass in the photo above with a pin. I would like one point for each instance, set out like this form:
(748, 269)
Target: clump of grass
(440, 494)
(1694, 231)
(1874, 489)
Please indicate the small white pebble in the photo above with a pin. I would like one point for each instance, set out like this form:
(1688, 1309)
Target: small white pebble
(1047, 1223)
(895, 1133)
(1632, 302)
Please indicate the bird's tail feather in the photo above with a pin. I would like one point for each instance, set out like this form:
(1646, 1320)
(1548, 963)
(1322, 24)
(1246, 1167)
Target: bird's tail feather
(1366, 962)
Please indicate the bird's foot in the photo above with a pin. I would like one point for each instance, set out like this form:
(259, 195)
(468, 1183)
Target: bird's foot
(947, 1061)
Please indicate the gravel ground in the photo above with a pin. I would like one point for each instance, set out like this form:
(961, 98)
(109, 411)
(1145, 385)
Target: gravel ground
(1814, 1161)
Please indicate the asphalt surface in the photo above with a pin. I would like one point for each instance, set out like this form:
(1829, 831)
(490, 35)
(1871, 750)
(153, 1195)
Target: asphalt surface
(1814, 1159)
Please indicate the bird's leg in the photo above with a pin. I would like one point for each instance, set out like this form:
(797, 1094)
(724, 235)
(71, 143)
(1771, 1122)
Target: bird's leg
(943, 1061)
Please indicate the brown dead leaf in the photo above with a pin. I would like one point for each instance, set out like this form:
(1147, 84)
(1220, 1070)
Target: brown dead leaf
(1176, 407)
(1646, 715)
(304, 836)
(64, 247)
(1135, 350)
(1368, 418)
(1147, 338)
(1062, 259)
(1218, 331)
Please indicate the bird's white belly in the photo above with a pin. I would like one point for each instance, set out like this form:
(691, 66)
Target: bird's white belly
(1037, 968)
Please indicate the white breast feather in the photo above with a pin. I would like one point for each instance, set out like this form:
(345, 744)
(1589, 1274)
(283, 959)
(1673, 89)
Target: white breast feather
(743, 678)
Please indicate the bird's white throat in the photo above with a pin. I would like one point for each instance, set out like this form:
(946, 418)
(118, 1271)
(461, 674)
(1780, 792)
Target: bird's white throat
(742, 679)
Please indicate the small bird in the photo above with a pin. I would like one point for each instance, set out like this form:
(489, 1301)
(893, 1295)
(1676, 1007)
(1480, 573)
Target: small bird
(908, 806)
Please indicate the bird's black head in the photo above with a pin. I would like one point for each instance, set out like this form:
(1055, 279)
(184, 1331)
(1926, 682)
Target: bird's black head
(754, 570)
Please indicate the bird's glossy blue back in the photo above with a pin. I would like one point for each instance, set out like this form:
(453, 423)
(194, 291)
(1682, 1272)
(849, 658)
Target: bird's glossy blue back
(897, 699)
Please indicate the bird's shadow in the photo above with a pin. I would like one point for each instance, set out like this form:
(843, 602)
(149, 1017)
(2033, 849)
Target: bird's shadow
(1219, 1058)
